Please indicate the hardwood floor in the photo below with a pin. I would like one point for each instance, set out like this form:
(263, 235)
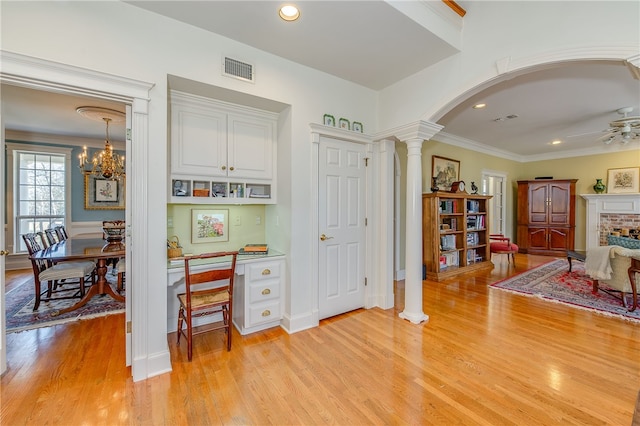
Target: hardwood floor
(485, 357)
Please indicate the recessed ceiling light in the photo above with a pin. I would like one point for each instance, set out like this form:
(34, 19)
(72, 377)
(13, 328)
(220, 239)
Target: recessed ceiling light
(556, 142)
(289, 12)
(479, 106)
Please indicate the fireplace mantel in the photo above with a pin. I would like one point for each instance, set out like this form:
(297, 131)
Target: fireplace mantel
(598, 204)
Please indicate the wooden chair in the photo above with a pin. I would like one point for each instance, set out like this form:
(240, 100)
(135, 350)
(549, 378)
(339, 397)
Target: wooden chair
(200, 299)
(121, 274)
(52, 237)
(61, 233)
(499, 244)
(44, 271)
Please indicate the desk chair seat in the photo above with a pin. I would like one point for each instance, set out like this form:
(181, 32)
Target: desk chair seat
(206, 293)
(499, 244)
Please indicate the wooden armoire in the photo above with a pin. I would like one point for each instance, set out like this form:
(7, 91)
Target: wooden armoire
(546, 216)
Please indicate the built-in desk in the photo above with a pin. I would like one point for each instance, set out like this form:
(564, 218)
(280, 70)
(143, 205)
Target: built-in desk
(257, 293)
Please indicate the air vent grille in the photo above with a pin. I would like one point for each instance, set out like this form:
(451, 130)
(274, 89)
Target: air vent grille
(238, 69)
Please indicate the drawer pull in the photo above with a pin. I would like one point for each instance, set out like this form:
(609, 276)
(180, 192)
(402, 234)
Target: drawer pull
(266, 313)
(266, 271)
(266, 291)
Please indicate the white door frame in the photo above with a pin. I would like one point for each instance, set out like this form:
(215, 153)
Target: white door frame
(39, 74)
(335, 133)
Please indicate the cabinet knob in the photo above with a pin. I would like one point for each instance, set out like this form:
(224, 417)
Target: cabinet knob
(266, 271)
(231, 168)
(266, 313)
(266, 291)
(224, 167)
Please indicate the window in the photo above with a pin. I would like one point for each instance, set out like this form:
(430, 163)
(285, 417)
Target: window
(40, 182)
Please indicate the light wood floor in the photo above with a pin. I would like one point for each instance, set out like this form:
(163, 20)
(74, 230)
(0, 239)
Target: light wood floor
(485, 357)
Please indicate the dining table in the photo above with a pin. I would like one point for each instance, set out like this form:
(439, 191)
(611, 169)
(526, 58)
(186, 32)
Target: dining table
(86, 249)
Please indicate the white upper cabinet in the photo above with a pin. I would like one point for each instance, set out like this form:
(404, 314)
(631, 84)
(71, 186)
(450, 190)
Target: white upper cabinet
(250, 146)
(221, 152)
(216, 139)
(198, 140)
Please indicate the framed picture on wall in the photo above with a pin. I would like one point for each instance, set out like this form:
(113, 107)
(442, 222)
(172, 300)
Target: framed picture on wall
(623, 181)
(445, 171)
(103, 194)
(209, 226)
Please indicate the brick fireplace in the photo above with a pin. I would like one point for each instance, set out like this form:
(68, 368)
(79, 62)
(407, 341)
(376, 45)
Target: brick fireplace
(607, 212)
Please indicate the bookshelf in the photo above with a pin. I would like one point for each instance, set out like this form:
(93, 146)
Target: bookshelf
(455, 238)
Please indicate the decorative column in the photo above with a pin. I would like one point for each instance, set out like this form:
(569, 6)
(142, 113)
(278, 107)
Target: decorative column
(413, 244)
(414, 135)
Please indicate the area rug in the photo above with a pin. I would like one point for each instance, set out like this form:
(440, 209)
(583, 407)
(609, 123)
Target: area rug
(553, 282)
(20, 315)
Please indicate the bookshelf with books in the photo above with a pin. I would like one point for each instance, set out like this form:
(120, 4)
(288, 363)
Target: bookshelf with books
(455, 238)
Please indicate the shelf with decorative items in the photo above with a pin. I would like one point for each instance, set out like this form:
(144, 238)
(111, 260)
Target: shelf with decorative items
(197, 190)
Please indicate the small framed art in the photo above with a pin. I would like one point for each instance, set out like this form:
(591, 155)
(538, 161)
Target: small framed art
(328, 120)
(357, 127)
(343, 123)
(209, 226)
(103, 194)
(445, 171)
(623, 181)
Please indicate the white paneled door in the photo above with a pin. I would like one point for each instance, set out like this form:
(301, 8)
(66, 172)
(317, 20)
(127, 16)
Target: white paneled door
(341, 220)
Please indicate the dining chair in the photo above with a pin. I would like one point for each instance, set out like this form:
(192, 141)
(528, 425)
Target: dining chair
(207, 292)
(499, 244)
(61, 233)
(44, 271)
(52, 238)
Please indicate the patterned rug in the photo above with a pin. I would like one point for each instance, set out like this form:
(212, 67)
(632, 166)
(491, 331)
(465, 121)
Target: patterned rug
(553, 281)
(21, 316)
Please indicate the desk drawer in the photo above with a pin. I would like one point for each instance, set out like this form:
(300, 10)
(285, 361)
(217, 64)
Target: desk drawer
(262, 271)
(264, 290)
(265, 312)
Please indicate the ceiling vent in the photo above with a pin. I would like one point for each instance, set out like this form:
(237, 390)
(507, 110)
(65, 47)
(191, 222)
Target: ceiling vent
(238, 69)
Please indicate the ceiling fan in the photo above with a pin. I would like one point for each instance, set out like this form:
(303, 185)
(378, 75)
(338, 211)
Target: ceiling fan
(624, 129)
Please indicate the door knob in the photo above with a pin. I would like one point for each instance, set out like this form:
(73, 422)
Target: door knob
(3, 252)
(324, 237)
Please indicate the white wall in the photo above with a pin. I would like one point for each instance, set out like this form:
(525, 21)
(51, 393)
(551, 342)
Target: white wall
(503, 36)
(120, 39)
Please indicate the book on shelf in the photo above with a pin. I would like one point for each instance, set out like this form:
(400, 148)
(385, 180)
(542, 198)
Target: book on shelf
(243, 252)
(256, 247)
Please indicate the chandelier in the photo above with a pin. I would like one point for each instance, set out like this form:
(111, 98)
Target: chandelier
(106, 163)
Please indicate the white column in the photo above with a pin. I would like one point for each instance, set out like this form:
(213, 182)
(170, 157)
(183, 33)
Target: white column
(413, 253)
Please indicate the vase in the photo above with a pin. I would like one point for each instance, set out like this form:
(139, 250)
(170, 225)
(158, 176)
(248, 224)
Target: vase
(599, 187)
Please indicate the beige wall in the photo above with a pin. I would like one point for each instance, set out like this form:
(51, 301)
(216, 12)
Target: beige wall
(586, 169)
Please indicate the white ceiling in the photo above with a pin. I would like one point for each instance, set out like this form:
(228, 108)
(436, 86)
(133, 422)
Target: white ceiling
(357, 40)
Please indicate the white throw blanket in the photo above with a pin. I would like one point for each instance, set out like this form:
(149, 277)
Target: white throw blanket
(598, 262)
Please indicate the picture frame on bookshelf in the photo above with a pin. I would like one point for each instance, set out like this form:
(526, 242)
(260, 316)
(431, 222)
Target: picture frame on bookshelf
(445, 171)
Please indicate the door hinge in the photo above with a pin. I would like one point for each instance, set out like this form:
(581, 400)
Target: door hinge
(128, 327)
(128, 134)
(366, 221)
(366, 161)
(365, 281)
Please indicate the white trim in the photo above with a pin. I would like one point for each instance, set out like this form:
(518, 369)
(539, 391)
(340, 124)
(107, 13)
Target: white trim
(149, 359)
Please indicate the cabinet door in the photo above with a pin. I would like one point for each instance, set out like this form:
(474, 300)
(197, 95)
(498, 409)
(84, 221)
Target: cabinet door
(560, 208)
(198, 141)
(538, 203)
(560, 239)
(537, 238)
(250, 150)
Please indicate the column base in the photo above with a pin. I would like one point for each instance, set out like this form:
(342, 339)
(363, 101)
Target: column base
(415, 318)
